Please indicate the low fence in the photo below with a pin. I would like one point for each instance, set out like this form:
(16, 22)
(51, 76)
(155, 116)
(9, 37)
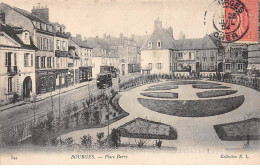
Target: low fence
(241, 79)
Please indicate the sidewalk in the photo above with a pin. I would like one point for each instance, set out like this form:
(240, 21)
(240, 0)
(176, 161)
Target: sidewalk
(44, 96)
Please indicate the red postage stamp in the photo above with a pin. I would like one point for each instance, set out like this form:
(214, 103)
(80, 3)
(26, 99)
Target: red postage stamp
(233, 20)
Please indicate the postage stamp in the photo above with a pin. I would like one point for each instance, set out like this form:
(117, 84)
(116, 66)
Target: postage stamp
(233, 20)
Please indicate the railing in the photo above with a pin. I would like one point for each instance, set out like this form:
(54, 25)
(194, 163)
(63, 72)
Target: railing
(12, 69)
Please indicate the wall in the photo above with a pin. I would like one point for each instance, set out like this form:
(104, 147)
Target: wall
(154, 57)
(22, 73)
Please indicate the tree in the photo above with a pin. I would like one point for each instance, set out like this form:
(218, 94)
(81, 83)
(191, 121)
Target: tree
(68, 111)
(34, 107)
(100, 140)
(86, 141)
(114, 139)
(49, 121)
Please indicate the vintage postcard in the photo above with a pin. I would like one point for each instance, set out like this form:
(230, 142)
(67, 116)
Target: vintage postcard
(148, 82)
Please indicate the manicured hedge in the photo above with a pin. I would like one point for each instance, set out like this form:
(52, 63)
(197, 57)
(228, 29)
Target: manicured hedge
(239, 131)
(161, 94)
(210, 86)
(193, 108)
(142, 128)
(215, 93)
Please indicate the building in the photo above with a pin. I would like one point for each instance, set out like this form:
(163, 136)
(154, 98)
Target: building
(82, 59)
(158, 51)
(17, 70)
(162, 54)
(235, 58)
(197, 55)
(100, 50)
(42, 34)
(254, 57)
(127, 51)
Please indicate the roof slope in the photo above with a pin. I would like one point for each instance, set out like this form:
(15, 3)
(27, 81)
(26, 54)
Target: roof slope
(196, 44)
(160, 34)
(80, 43)
(13, 34)
(97, 42)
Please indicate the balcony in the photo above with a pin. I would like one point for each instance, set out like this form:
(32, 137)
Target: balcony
(59, 53)
(12, 70)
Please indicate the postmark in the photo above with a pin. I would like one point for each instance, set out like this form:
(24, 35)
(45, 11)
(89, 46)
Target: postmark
(227, 20)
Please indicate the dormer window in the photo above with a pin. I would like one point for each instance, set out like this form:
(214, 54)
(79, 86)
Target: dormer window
(26, 38)
(150, 45)
(58, 28)
(38, 25)
(159, 44)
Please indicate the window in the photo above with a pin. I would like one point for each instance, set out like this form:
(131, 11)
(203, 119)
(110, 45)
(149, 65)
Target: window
(240, 67)
(180, 55)
(31, 59)
(10, 84)
(228, 67)
(15, 59)
(212, 59)
(6, 59)
(58, 44)
(159, 44)
(204, 65)
(211, 54)
(150, 65)
(2, 17)
(159, 65)
(47, 44)
(37, 59)
(43, 62)
(63, 46)
(39, 42)
(26, 57)
(189, 55)
(49, 62)
(204, 53)
(204, 59)
(150, 45)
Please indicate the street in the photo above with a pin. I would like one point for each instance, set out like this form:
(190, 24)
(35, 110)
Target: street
(25, 113)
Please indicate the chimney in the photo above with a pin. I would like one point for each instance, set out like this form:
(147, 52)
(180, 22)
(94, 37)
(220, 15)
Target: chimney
(181, 36)
(104, 35)
(170, 31)
(157, 24)
(41, 12)
(79, 37)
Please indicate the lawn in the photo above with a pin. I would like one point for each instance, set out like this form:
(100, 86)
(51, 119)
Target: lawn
(239, 131)
(142, 128)
(161, 94)
(193, 108)
(210, 86)
(215, 93)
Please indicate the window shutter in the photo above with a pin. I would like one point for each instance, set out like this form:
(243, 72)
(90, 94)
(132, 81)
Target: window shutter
(24, 58)
(6, 59)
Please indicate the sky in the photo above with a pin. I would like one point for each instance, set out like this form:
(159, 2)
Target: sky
(95, 17)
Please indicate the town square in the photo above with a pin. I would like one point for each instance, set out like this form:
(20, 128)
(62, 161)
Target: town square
(108, 86)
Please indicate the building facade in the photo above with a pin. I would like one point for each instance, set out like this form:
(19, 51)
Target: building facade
(159, 51)
(17, 70)
(162, 54)
(82, 59)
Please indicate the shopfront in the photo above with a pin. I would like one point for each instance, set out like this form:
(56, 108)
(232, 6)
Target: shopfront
(45, 81)
(85, 74)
